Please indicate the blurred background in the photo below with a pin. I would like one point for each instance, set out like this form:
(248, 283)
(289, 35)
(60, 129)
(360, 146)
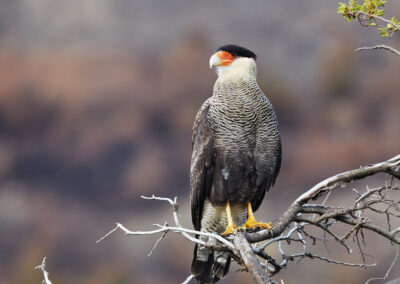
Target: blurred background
(97, 101)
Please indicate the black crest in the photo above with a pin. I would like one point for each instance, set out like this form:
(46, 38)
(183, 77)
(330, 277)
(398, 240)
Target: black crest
(238, 51)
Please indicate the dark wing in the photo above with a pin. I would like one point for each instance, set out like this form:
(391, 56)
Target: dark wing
(266, 178)
(278, 162)
(208, 266)
(202, 164)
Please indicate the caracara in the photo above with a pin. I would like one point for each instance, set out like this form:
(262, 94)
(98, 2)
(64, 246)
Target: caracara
(236, 157)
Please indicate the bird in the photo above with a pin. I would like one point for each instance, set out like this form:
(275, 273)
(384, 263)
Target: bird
(236, 157)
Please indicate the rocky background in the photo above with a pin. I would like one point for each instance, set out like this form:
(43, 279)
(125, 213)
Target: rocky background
(97, 101)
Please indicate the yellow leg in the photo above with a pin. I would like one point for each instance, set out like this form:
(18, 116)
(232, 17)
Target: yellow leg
(251, 222)
(231, 228)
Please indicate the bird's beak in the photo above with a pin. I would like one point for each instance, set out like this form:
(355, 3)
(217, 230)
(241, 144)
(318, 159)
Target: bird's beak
(221, 58)
(215, 60)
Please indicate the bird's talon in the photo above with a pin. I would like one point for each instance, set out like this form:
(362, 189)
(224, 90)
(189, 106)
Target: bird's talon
(231, 229)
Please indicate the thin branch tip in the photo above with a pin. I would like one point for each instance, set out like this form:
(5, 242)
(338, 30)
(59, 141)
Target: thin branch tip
(42, 267)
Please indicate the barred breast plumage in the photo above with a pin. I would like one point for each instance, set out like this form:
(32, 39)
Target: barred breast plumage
(246, 142)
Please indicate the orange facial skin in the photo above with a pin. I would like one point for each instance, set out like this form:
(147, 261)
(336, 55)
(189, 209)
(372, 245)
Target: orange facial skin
(225, 57)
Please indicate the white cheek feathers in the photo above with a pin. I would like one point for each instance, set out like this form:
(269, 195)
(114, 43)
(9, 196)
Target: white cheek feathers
(241, 68)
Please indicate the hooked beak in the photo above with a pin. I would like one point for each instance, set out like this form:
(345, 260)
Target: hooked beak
(215, 61)
(221, 58)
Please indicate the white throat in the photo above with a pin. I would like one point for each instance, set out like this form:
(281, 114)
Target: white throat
(243, 68)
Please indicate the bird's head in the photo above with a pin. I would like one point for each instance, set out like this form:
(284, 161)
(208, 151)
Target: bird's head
(232, 61)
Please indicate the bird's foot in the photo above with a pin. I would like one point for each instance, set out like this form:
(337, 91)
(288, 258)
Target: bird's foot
(230, 229)
(253, 225)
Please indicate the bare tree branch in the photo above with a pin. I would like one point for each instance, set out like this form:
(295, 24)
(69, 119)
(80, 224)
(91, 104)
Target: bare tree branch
(45, 273)
(308, 210)
(249, 259)
(380, 46)
(164, 229)
(180, 230)
(321, 189)
(164, 234)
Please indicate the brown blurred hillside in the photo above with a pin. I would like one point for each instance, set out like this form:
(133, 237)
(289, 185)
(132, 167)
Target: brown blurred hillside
(97, 102)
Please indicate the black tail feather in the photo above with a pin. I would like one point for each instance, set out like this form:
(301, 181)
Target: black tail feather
(209, 266)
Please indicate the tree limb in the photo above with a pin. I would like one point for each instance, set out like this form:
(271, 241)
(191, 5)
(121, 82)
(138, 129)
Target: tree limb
(293, 225)
(321, 189)
(250, 261)
(380, 46)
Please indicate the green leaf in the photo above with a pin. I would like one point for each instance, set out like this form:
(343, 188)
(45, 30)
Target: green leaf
(380, 12)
